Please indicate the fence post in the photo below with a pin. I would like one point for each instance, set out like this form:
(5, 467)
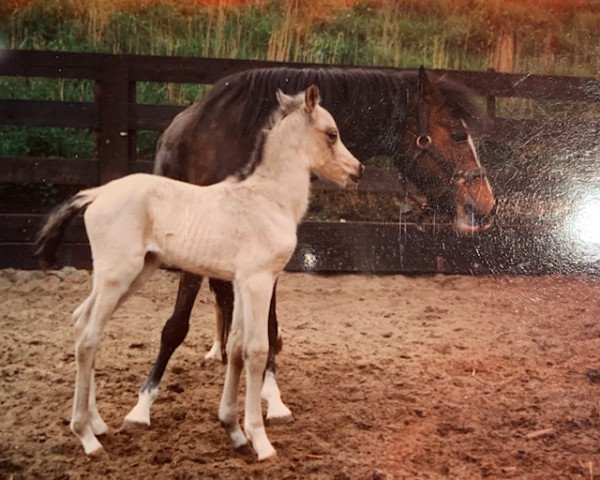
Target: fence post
(115, 143)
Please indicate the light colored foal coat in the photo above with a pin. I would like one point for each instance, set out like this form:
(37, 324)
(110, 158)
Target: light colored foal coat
(241, 231)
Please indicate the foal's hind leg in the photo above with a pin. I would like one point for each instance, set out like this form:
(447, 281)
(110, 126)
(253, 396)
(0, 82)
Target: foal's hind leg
(98, 425)
(108, 291)
(81, 316)
(277, 411)
(173, 334)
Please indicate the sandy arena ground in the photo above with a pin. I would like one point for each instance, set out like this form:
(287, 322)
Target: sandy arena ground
(389, 377)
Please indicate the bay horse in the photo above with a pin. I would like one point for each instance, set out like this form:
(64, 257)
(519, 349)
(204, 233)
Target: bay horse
(425, 123)
(239, 230)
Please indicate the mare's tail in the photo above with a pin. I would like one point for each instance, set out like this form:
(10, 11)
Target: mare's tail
(51, 234)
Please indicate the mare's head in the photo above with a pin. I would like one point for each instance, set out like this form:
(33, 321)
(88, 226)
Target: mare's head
(328, 156)
(442, 157)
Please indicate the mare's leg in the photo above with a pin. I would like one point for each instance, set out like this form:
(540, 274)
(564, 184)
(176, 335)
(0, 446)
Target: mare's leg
(256, 294)
(277, 411)
(109, 290)
(173, 334)
(228, 412)
(223, 313)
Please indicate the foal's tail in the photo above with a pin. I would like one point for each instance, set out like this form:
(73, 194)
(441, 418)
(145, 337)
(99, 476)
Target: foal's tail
(51, 234)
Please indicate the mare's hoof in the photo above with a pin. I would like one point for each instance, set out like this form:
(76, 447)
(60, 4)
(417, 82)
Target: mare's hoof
(214, 354)
(283, 420)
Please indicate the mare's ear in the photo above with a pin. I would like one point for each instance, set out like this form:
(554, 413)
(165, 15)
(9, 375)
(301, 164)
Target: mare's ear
(427, 90)
(286, 102)
(312, 97)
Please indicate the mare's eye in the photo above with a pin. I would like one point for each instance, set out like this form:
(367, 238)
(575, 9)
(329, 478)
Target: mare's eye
(332, 136)
(459, 137)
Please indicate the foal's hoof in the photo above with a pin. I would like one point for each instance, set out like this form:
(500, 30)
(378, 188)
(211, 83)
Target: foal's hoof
(99, 427)
(132, 425)
(97, 454)
(268, 455)
(283, 420)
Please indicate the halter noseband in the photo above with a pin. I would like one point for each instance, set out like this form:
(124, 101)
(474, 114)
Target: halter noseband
(426, 146)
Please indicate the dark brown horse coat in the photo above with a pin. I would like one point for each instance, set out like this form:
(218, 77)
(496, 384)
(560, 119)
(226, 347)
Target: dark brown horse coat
(420, 121)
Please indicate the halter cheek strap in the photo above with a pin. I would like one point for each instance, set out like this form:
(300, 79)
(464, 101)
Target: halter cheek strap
(458, 177)
(426, 147)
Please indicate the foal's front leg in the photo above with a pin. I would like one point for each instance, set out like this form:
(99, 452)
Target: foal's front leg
(228, 411)
(256, 297)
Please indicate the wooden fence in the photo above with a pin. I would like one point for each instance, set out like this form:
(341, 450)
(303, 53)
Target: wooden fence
(323, 246)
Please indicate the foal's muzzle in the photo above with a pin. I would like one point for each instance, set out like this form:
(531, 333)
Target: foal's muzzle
(361, 170)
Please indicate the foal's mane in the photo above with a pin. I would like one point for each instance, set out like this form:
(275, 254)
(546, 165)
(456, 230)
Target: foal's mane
(257, 153)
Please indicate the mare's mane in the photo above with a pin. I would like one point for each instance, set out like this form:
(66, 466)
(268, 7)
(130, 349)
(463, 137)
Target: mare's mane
(383, 92)
(372, 107)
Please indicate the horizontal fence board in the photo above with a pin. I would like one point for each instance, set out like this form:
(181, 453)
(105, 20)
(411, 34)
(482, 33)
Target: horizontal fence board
(197, 70)
(63, 171)
(37, 113)
(20, 256)
(525, 85)
(142, 166)
(157, 117)
(152, 117)
(208, 70)
(510, 130)
(374, 180)
(51, 64)
(23, 228)
(355, 247)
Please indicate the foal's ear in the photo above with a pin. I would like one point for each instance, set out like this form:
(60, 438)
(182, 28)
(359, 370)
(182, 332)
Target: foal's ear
(312, 97)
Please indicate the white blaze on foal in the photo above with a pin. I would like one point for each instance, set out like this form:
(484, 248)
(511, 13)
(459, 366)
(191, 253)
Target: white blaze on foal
(240, 231)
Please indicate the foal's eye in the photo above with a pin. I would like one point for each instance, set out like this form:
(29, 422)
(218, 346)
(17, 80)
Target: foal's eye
(332, 136)
(459, 137)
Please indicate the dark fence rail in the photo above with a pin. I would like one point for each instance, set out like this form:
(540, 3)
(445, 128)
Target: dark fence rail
(116, 117)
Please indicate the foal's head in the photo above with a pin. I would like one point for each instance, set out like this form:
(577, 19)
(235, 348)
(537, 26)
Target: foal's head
(329, 157)
(444, 157)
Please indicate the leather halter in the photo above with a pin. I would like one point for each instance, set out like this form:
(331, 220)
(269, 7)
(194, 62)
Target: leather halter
(426, 147)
